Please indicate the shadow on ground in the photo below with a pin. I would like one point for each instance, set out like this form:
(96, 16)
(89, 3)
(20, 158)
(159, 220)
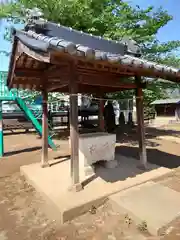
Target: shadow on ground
(129, 134)
(24, 150)
(128, 158)
(18, 131)
(128, 168)
(154, 156)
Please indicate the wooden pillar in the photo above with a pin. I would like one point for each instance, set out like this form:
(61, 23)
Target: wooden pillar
(141, 128)
(44, 157)
(74, 134)
(101, 114)
(1, 132)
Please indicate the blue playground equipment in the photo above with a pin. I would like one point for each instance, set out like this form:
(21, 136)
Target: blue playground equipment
(18, 97)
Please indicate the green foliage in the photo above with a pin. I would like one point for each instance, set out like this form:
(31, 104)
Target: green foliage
(158, 89)
(114, 19)
(5, 53)
(109, 18)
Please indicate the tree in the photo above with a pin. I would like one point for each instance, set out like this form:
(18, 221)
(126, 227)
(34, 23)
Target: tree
(158, 89)
(109, 18)
(5, 53)
(114, 19)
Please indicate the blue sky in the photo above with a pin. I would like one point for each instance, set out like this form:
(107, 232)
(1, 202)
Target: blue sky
(169, 32)
(4, 45)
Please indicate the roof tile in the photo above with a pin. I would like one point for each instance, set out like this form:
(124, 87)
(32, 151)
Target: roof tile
(81, 44)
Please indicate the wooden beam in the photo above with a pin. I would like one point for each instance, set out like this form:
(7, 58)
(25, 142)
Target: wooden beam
(50, 75)
(58, 81)
(12, 63)
(1, 132)
(28, 73)
(91, 82)
(44, 157)
(51, 85)
(89, 89)
(92, 78)
(42, 57)
(60, 57)
(141, 127)
(24, 80)
(57, 67)
(104, 66)
(105, 82)
(98, 66)
(57, 71)
(74, 135)
(105, 71)
(55, 87)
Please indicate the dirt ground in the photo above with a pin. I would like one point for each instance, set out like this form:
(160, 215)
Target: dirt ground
(22, 216)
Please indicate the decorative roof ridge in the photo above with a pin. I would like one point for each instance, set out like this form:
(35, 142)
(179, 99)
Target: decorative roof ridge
(124, 41)
(36, 22)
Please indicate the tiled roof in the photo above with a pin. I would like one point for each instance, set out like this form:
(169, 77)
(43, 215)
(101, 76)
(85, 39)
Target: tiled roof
(166, 101)
(77, 43)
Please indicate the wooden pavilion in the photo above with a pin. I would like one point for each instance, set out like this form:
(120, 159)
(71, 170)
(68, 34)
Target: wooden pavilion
(49, 57)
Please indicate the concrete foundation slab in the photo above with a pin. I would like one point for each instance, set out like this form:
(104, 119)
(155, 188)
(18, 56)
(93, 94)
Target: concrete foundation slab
(53, 184)
(150, 203)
